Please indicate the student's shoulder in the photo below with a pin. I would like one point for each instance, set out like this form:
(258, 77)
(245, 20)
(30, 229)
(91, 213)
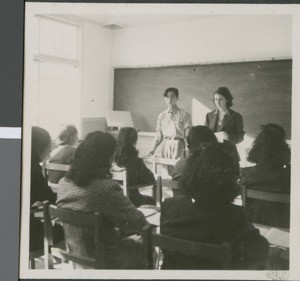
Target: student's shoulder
(235, 113)
(105, 184)
(62, 152)
(176, 203)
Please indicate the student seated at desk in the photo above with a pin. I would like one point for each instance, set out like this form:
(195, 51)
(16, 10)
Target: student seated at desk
(40, 191)
(205, 212)
(63, 154)
(126, 156)
(197, 136)
(271, 154)
(88, 188)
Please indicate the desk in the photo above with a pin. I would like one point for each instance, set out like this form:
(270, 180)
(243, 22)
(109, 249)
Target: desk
(277, 237)
(152, 215)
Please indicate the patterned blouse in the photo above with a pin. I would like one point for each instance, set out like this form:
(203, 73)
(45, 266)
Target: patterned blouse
(106, 197)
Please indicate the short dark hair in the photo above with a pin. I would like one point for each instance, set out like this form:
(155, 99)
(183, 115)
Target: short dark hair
(224, 91)
(270, 148)
(68, 131)
(40, 140)
(126, 150)
(199, 135)
(92, 158)
(210, 178)
(171, 89)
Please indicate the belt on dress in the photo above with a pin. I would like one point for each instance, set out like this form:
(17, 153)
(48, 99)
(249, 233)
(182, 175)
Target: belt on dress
(173, 138)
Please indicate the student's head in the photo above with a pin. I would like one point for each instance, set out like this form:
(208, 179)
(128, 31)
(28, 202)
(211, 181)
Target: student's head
(92, 158)
(223, 98)
(270, 148)
(199, 135)
(171, 96)
(68, 134)
(40, 144)
(126, 141)
(210, 178)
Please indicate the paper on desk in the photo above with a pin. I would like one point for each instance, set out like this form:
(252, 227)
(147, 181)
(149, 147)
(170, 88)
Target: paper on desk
(147, 212)
(154, 219)
(278, 237)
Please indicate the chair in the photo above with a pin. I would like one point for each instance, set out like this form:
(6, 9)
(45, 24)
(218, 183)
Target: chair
(40, 252)
(38, 211)
(121, 176)
(264, 196)
(34, 255)
(172, 184)
(160, 183)
(218, 253)
(157, 194)
(162, 161)
(93, 221)
(55, 167)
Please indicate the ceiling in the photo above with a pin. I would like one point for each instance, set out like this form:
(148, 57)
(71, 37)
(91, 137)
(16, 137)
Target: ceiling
(117, 21)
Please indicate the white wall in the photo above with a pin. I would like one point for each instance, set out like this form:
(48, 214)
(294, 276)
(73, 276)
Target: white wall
(213, 39)
(96, 70)
(223, 38)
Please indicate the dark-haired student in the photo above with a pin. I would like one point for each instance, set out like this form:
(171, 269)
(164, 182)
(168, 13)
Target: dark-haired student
(88, 188)
(205, 213)
(172, 128)
(226, 123)
(138, 174)
(271, 154)
(197, 136)
(63, 154)
(39, 189)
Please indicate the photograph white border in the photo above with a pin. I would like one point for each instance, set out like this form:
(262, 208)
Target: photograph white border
(187, 9)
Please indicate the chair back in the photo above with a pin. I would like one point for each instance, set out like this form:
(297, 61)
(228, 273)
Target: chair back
(91, 221)
(162, 161)
(160, 183)
(157, 194)
(55, 167)
(264, 196)
(36, 211)
(217, 253)
(121, 177)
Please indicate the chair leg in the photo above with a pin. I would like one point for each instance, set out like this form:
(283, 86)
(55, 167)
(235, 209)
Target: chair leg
(158, 257)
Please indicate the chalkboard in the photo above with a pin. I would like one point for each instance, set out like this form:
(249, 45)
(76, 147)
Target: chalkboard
(261, 91)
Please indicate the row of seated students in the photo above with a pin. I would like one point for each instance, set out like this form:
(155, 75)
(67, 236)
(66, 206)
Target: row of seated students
(126, 156)
(203, 212)
(271, 173)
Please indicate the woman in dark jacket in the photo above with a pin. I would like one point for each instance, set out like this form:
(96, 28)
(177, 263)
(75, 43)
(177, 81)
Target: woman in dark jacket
(138, 174)
(39, 189)
(271, 154)
(226, 123)
(205, 212)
